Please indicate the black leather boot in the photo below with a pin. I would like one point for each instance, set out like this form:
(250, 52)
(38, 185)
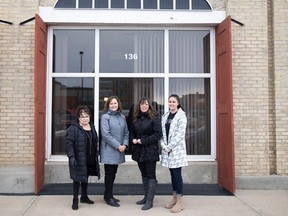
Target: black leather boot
(84, 198)
(75, 204)
(145, 187)
(75, 195)
(150, 195)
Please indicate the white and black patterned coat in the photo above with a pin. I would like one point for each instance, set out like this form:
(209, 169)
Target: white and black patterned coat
(177, 157)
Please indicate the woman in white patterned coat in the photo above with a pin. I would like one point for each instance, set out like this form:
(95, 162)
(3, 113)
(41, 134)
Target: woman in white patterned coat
(173, 146)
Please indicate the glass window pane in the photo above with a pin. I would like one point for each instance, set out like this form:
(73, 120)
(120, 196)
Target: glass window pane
(150, 4)
(201, 5)
(66, 4)
(101, 3)
(195, 100)
(182, 4)
(189, 51)
(129, 91)
(67, 94)
(85, 4)
(117, 3)
(166, 4)
(134, 4)
(132, 52)
(74, 51)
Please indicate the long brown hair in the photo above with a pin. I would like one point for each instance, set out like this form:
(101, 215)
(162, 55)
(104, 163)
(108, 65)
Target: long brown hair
(106, 105)
(151, 112)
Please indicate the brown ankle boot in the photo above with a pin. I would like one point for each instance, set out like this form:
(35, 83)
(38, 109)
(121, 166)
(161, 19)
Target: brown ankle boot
(172, 202)
(178, 206)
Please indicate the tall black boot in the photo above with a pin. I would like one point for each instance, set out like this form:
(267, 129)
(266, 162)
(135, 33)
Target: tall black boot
(75, 195)
(145, 187)
(150, 195)
(84, 198)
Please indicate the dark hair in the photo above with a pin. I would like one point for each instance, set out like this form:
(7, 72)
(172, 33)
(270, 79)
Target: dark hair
(177, 98)
(151, 112)
(82, 109)
(106, 105)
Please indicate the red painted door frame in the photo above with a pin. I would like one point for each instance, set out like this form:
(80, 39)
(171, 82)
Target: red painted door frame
(224, 106)
(40, 102)
(224, 103)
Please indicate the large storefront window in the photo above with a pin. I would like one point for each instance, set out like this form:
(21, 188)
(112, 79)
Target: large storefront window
(74, 51)
(195, 101)
(67, 94)
(132, 52)
(89, 65)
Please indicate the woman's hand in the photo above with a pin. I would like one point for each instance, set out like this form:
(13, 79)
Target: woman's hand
(122, 148)
(136, 141)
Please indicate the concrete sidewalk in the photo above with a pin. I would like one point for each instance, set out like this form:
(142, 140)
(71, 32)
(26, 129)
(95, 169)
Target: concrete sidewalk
(244, 203)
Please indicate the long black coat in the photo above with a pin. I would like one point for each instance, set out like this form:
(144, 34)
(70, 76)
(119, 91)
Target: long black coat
(149, 131)
(76, 145)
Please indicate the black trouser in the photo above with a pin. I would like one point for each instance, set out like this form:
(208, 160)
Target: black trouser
(148, 169)
(84, 186)
(110, 175)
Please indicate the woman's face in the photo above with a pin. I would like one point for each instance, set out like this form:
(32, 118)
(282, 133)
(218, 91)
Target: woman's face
(113, 105)
(173, 103)
(144, 106)
(84, 119)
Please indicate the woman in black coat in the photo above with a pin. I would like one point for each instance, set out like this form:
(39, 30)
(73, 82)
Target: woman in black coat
(145, 132)
(82, 151)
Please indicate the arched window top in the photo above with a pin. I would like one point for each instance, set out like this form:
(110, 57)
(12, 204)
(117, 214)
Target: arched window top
(135, 4)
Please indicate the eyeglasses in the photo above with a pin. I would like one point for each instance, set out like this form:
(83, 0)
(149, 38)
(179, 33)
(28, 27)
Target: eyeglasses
(83, 117)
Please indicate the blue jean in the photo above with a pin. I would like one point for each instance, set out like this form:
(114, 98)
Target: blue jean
(176, 179)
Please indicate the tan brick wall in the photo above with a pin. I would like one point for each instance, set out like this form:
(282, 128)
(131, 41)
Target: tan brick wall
(47, 3)
(281, 86)
(259, 73)
(260, 86)
(16, 83)
(250, 87)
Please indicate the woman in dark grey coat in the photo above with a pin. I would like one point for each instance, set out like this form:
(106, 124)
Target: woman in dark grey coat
(145, 133)
(82, 151)
(114, 142)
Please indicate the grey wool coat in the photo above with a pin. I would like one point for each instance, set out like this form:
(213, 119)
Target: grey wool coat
(114, 133)
(176, 141)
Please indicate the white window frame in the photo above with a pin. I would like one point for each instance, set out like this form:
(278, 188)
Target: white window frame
(64, 21)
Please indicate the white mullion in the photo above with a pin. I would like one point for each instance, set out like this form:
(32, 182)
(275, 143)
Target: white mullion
(166, 68)
(213, 92)
(158, 4)
(48, 144)
(77, 4)
(142, 4)
(96, 77)
(129, 75)
(109, 4)
(174, 4)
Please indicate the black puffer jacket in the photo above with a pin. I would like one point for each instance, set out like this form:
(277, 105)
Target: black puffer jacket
(149, 131)
(76, 146)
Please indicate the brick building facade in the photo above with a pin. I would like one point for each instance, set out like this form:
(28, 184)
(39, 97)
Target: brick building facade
(260, 99)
